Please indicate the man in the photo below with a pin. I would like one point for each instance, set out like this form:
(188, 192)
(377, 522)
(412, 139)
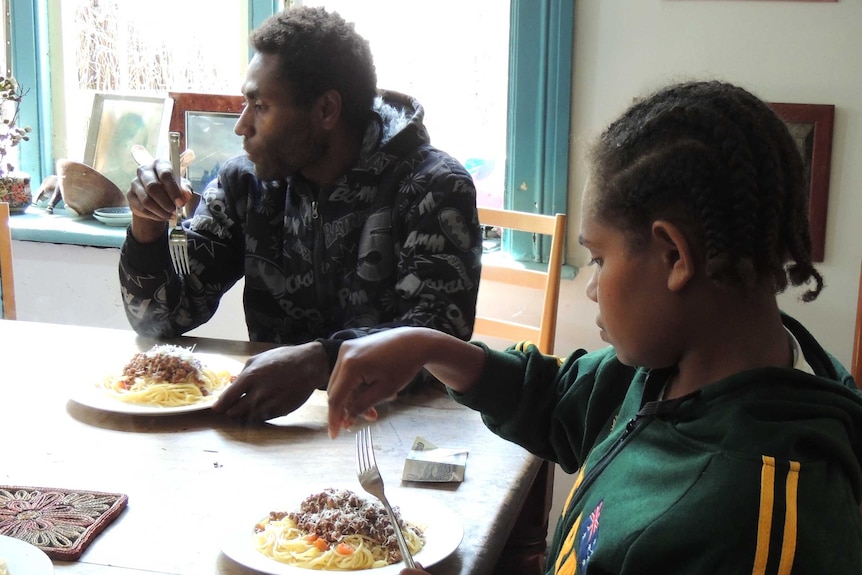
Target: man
(342, 218)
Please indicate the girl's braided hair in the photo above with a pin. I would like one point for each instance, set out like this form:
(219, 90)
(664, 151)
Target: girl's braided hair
(716, 161)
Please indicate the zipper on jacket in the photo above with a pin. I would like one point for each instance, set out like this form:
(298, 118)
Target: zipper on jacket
(319, 247)
(634, 425)
(645, 415)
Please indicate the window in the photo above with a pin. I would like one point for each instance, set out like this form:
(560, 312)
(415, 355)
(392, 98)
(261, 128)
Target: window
(112, 46)
(453, 58)
(495, 81)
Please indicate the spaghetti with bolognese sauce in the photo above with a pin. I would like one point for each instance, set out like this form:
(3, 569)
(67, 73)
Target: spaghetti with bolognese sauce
(166, 376)
(334, 530)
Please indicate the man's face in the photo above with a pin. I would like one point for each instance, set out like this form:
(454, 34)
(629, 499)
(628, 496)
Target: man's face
(280, 137)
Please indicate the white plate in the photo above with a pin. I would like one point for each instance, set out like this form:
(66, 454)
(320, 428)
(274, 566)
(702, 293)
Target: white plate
(443, 533)
(113, 221)
(23, 558)
(92, 395)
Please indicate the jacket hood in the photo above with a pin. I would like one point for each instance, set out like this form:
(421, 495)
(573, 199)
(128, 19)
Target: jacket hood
(397, 126)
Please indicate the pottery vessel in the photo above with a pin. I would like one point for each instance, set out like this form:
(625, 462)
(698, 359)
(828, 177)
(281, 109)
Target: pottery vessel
(85, 190)
(15, 190)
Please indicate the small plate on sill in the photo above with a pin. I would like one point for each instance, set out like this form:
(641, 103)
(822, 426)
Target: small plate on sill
(117, 217)
(118, 212)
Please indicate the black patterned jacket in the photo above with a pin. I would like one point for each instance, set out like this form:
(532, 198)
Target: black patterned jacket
(396, 241)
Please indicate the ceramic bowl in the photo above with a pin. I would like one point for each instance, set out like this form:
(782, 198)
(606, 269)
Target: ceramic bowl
(84, 189)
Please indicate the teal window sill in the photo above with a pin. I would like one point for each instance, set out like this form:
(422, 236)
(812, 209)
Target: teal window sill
(64, 227)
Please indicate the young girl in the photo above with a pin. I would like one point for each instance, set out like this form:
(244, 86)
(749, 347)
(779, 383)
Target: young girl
(715, 435)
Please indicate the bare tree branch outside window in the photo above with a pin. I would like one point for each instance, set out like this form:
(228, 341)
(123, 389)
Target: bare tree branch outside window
(121, 51)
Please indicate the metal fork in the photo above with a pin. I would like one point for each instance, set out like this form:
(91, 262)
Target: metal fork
(178, 240)
(369, 478)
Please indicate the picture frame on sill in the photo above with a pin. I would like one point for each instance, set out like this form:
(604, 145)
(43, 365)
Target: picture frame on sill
(206, 126)
(811, 126)
(118, 122)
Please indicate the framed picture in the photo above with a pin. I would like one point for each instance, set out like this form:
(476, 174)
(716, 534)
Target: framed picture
(811, 127)
(116, 124)
(206, 123)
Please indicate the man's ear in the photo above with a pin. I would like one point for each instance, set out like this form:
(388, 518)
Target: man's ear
(328, 106)
(676, 252)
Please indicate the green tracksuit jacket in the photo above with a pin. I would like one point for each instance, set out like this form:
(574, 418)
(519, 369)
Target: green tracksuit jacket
(758, 473)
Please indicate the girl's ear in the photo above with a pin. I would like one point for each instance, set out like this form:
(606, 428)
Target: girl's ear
(676, 252)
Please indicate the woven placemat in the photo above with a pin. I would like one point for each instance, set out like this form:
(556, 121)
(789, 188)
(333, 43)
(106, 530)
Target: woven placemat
(60, 522)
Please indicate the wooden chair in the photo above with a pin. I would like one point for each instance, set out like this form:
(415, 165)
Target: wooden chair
(524, 552)
(856, 362)
(7, 284)
(544, 333)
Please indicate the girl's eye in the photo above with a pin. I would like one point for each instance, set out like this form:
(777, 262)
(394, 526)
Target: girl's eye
(596, 262)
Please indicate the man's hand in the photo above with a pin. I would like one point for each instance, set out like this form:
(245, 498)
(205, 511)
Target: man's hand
(154, 197)
(275, 382)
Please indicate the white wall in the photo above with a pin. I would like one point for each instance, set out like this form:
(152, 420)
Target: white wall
(81, 286)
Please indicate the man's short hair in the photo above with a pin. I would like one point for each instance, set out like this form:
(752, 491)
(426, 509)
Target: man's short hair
(319, 51)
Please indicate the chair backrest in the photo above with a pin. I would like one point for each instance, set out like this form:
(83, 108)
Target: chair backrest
(856, 362)
(543, 334)
(7, 283)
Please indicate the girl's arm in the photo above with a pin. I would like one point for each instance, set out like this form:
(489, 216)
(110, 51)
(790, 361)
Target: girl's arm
(374, 368)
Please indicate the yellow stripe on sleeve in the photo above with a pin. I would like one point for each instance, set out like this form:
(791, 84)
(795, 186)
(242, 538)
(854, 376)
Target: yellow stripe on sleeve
(764, 522)
(788, 545)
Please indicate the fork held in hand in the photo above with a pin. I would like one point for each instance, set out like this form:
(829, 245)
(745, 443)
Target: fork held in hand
(369, 478)
(178, 240)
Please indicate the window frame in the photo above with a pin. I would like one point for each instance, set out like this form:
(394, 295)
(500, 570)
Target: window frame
(29, 65)
(539, 116)
(539, 110)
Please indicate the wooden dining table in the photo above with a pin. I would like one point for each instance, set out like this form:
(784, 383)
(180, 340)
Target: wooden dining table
(188, 475)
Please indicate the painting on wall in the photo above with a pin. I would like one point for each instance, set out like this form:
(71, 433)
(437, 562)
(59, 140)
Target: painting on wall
(811, 128)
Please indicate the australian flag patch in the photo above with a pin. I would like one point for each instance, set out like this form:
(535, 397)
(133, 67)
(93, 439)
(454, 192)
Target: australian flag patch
(588, 537)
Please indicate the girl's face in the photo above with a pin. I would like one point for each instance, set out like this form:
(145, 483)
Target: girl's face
(636, 314)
